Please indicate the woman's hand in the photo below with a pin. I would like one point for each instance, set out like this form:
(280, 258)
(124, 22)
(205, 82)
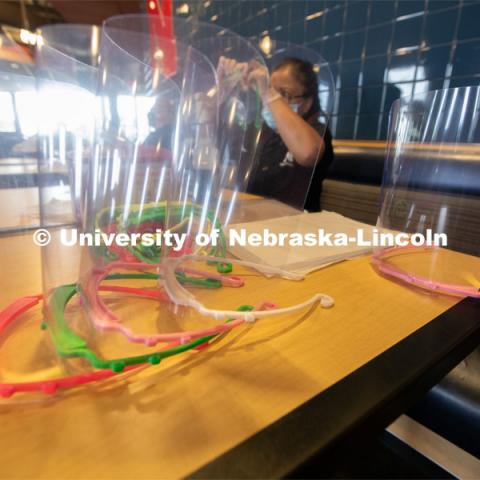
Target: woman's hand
(246, 75)
(259, 78)
(230, 74)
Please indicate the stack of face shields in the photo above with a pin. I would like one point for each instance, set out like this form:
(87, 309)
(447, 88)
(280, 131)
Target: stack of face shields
(429, 225)
(150, 152)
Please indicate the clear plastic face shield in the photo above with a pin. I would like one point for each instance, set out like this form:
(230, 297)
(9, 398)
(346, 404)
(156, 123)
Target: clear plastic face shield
(430, 195)
(304, 80)
(30, 368)
(67, 77)
(20, 360)
(205, 188)
(131, 193)
(275, 217)
(224, 199)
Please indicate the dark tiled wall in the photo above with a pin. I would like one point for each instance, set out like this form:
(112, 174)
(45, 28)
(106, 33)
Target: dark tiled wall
(378, 49)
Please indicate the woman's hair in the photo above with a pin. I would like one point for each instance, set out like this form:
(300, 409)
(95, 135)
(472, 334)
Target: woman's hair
(304, 73)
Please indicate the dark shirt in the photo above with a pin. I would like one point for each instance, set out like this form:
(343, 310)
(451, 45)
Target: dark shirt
(278, 175)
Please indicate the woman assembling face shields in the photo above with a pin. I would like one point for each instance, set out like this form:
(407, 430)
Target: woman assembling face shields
(294, 149)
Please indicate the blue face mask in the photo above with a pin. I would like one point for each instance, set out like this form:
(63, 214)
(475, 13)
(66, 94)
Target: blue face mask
(268, 117)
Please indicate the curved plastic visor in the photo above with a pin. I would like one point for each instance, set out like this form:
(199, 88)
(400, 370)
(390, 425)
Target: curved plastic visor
(272, 180)
(430, 192)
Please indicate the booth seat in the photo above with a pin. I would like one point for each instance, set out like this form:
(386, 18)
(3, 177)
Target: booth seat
(352, 187)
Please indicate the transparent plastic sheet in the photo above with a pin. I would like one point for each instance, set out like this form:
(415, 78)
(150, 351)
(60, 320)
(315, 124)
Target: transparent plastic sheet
(216, 174)
(271, 215)
(30, 369)
(430, 192)
(131, 52)
(131, 170)
(223, 193)
(18, 127)
(270, 219)
(67, 83)
(67, 77)
(275, 52)
(18, 153)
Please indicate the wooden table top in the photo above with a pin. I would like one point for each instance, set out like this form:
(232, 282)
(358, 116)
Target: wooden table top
(172, 419)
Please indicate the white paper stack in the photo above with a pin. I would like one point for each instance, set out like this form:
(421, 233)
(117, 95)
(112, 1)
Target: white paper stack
(348, 239)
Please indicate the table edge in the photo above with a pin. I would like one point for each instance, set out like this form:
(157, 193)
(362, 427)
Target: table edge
(316, 426)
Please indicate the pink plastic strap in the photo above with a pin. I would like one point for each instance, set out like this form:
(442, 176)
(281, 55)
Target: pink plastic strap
(458, 290)
(7, 316)
(51, 387)
(107, 321)
(15, 309)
